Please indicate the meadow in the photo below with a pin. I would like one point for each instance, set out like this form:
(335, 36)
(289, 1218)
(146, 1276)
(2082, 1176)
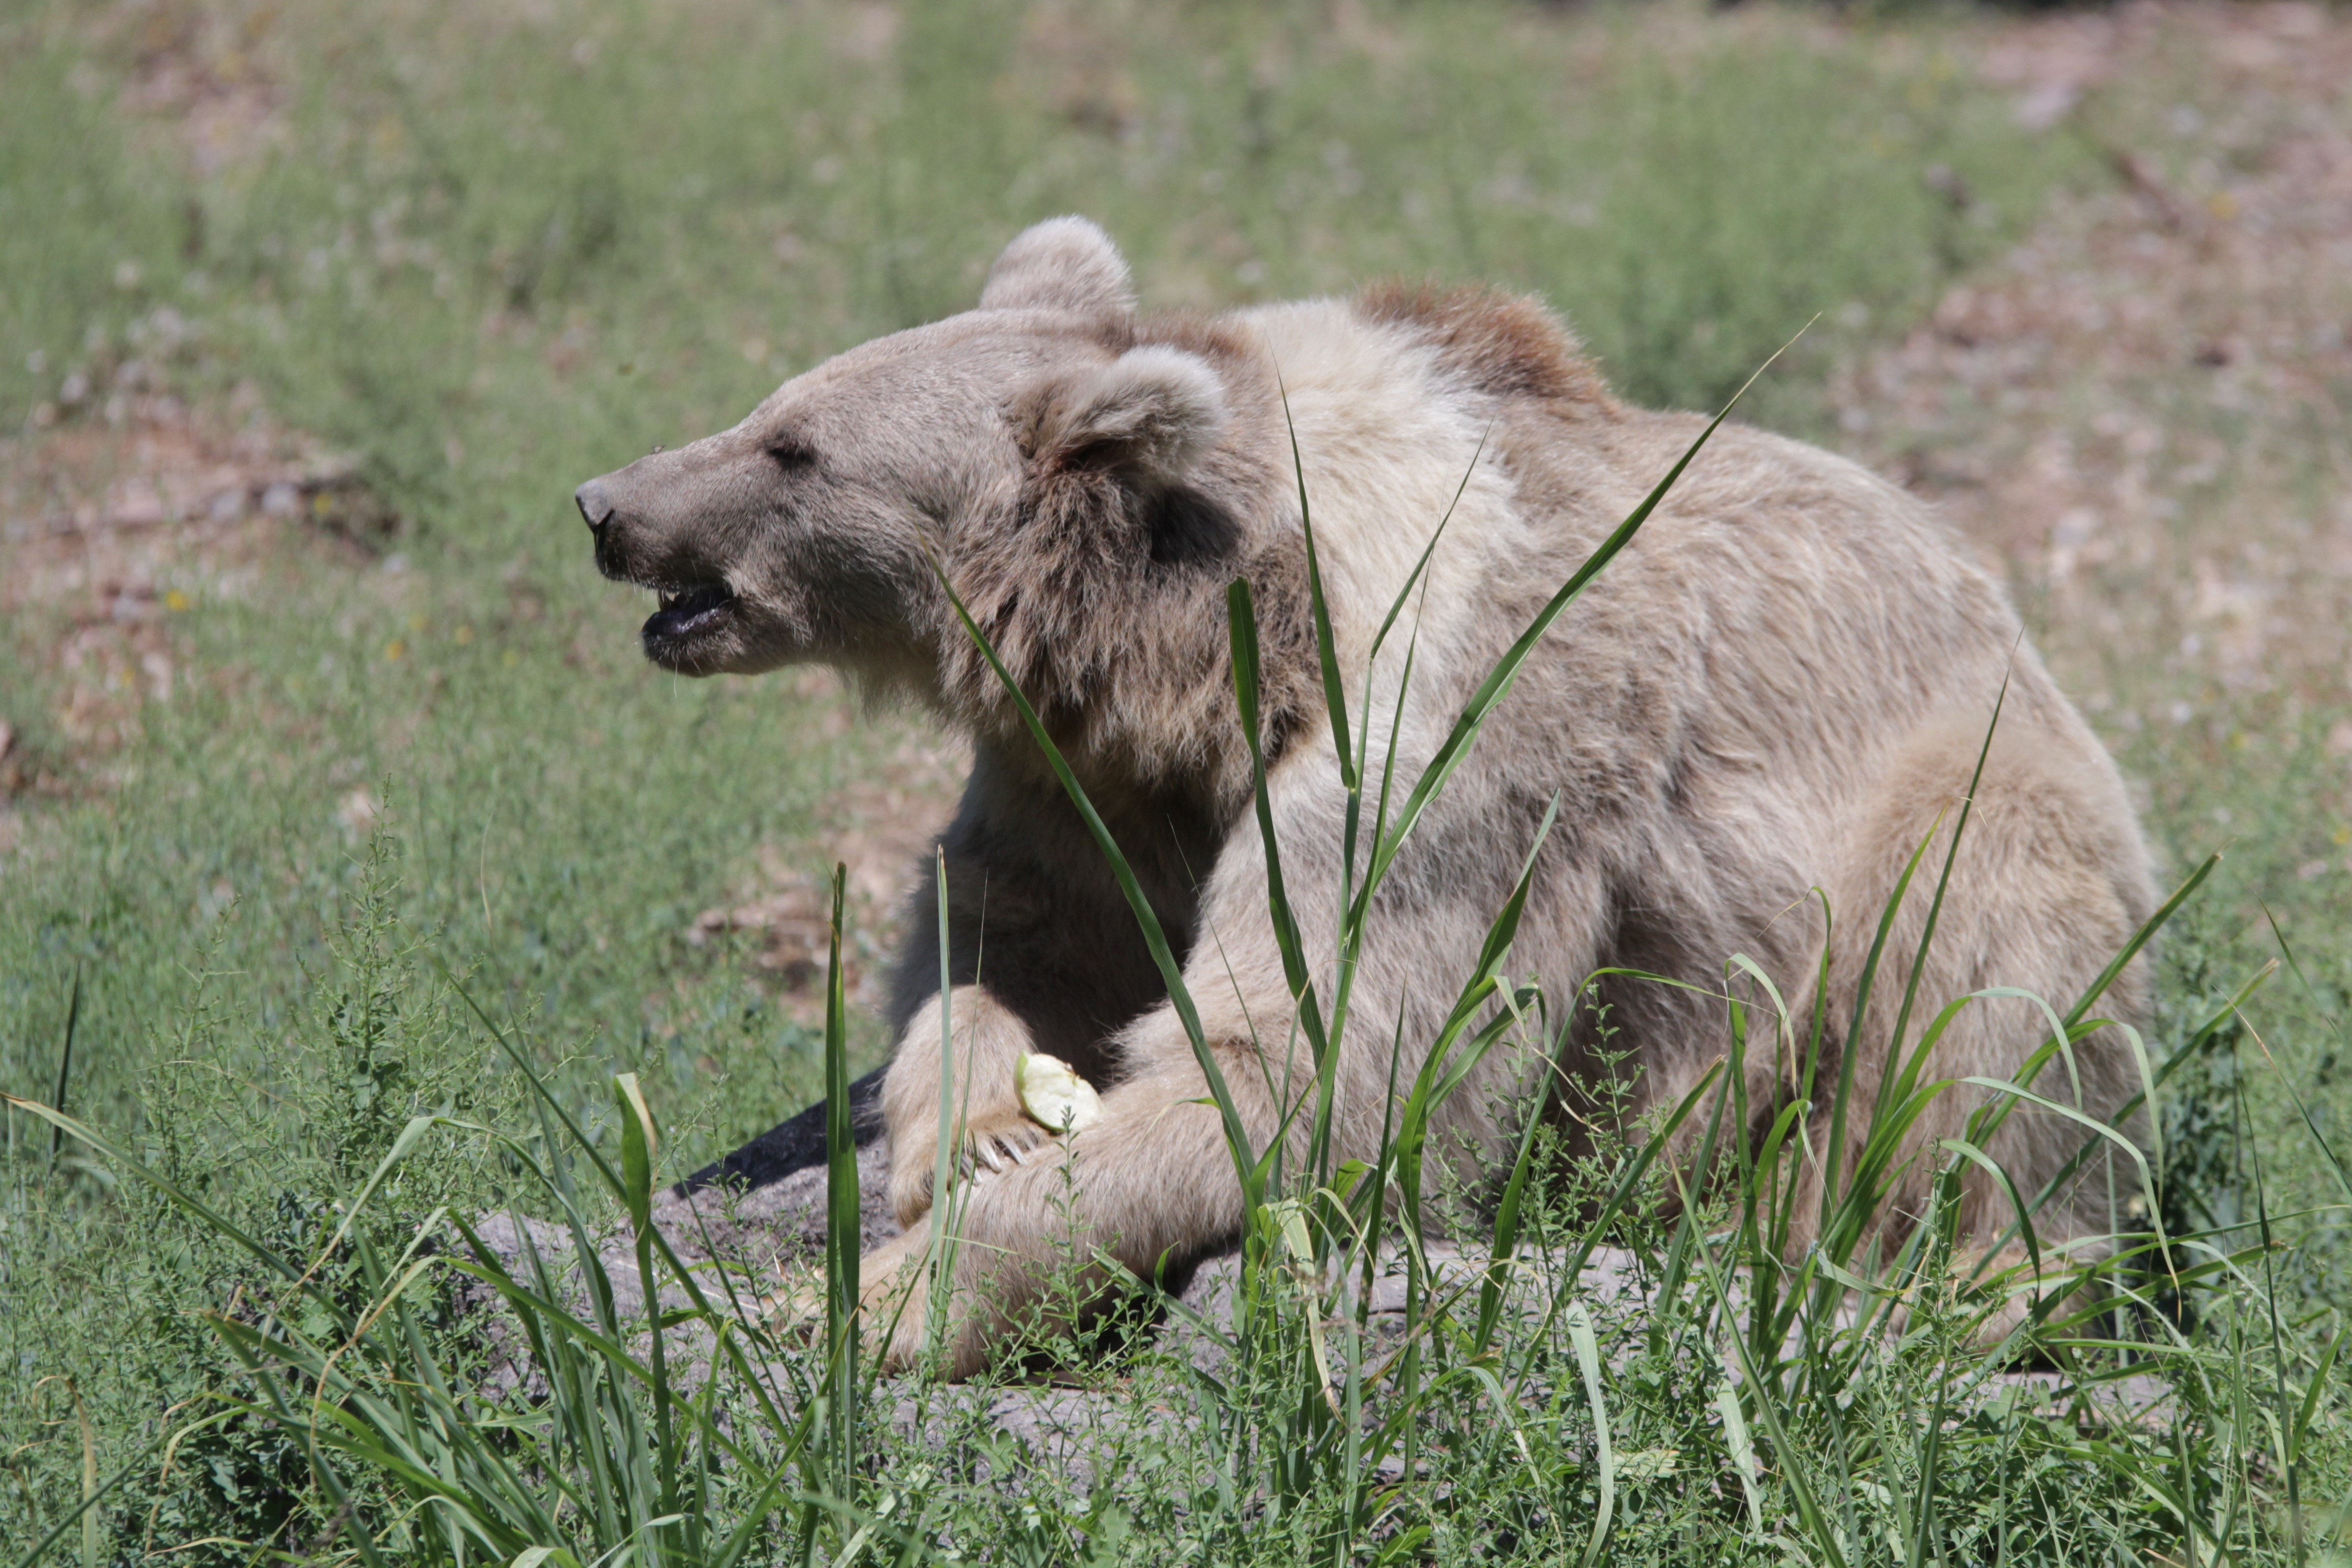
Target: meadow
(352, 801)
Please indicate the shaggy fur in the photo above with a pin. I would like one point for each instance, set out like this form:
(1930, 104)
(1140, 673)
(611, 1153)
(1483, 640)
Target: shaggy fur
(1777, 689)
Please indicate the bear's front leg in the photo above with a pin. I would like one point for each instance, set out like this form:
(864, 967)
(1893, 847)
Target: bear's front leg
(1152, 1182)
(992, 1130)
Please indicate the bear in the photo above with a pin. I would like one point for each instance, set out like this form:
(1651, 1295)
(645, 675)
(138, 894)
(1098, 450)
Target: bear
(1745, 727)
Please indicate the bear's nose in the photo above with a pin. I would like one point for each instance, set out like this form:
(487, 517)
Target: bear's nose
(594, 505)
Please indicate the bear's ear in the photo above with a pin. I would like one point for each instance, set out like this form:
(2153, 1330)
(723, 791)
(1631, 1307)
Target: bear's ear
(1153, 410)
(1062, 264)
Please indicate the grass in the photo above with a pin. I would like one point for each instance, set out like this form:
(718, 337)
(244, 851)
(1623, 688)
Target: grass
(490, 253)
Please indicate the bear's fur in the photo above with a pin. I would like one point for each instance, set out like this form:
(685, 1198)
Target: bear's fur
(1779, 687)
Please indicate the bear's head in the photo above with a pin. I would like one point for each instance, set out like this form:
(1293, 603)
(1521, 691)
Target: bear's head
(1039, 426)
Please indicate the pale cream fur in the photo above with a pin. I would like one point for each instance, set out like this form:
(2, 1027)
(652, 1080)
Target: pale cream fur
(1385, 448)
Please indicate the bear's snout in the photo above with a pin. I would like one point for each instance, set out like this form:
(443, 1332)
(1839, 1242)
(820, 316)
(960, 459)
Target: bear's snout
(646, 535)
(646, 527)
(595, 506)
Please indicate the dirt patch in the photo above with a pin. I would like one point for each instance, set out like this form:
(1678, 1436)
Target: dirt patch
(2142, 412)
(209, 75)
(126, 507)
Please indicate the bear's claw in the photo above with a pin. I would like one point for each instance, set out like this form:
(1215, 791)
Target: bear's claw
(989, 1147)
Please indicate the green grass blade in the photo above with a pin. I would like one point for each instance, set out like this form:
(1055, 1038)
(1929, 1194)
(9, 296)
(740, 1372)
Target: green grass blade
(1441, 1072)
(2098, 1127)
(639, 1149)
(943, 1162)
(2321, 1370)
(1396, 605)
(544, 1099)
(91, 1497)
(1808, 1509)
(2283, 1432)
(1335, 695)
(410, 1134)
(1986, 1162)
(2200, 1040)
(1629, 1181)
(65, 1063)
(1506, 1243)
(1943, 886)
(2140, 938)
(1240, 620)
(1587, 1366)
(1743, 1452)
(1835, 1187)
(842, 1236)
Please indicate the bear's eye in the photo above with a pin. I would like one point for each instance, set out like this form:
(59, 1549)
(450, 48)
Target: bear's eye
(792, 455)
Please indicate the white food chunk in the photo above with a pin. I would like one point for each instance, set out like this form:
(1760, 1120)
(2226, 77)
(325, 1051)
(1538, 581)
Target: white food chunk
(1054, 1094)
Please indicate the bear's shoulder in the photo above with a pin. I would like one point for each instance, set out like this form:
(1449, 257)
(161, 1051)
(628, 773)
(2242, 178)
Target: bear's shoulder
(1500, 343)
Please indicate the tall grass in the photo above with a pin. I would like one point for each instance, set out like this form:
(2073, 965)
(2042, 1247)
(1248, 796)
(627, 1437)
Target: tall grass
(610, 1445)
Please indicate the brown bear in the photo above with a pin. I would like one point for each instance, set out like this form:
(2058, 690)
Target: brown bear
(1761, 707)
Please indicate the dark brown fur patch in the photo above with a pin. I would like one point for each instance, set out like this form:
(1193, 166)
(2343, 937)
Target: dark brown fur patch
(1507, 345)
(1104, 595)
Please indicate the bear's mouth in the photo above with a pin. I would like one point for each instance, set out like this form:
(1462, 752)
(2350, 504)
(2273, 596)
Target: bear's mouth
(688, 614)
